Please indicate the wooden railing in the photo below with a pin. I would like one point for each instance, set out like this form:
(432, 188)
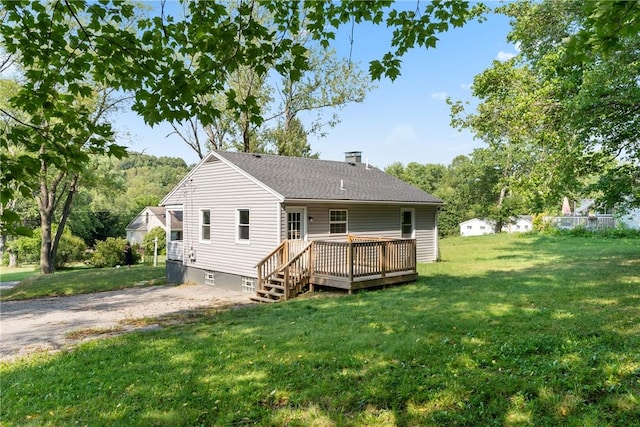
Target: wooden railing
(364, 257)
(296, 272)
(270, 265)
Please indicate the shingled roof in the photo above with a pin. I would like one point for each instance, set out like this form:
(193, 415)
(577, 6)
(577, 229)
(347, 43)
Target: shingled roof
(298, 178)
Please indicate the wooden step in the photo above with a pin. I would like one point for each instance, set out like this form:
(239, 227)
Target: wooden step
(267, 293)
(273, 286)
(261, 299)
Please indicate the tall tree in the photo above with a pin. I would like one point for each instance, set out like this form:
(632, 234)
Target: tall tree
(65, 46)
(63, 111)
(588, 53)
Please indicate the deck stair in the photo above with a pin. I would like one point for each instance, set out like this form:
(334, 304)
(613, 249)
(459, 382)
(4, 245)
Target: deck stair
(359, 263)
(282, 274)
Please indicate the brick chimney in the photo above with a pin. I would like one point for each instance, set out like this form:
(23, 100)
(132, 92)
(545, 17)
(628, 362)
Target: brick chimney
(353, 156)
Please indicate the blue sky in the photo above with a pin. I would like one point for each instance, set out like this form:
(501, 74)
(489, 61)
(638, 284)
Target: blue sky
(402, 121)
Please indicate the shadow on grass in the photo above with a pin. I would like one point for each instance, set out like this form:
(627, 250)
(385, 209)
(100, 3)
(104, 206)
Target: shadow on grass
(554, 341)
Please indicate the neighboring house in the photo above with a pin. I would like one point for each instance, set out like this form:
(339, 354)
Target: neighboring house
(247, 215)
(150, 218)
(631, 219)
(477, 227)
(518, 225)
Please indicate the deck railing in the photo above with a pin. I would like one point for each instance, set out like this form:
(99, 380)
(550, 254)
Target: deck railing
(270, 264)
(589, 222)
(362, 258)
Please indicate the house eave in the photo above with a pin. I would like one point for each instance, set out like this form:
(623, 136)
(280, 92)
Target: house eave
(370, 202)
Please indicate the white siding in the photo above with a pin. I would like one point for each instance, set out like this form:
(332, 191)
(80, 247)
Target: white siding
(376, 220)
(223, 190)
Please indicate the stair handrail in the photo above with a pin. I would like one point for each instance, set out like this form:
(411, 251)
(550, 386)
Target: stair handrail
(262, 277)
(286, 267)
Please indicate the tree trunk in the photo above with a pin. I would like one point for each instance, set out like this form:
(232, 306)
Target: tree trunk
(13, 259)
(66, 210)
(2, 244)
(46, 262)
(500, 221)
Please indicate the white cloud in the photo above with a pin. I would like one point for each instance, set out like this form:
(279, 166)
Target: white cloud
(465, 86)
(440, 96)
(504, 56)
(401, 133)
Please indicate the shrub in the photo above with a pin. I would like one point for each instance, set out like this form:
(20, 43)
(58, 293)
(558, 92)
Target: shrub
(70, 249)
(147, 242)
(27, 248)
(110, 252)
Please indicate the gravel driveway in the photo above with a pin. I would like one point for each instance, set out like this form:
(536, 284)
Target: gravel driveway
(45, 323)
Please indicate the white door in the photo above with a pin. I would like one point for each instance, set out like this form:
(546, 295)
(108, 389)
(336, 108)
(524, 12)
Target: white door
(296, 224)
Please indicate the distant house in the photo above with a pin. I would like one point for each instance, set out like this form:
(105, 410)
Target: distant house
(477, 227)
(518, 225)
(631, 219)
(274, 224)
(148, 219)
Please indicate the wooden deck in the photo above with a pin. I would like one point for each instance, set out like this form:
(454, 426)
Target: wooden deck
(358, 263)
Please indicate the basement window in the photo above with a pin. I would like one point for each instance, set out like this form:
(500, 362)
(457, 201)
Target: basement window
(209, 278)
(248, 284)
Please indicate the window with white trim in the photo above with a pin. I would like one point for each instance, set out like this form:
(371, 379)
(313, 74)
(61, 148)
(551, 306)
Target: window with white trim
(338, 221)
(243, 221)
(205, 225)
(406, 223)
(248, 284)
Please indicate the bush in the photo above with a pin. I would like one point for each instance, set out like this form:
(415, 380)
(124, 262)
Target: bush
(27, 248)
(147, 242)
(70, 249)
(110, 252)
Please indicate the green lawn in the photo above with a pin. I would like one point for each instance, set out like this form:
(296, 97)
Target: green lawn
(18, 273)
(83, 281)
(506, 330)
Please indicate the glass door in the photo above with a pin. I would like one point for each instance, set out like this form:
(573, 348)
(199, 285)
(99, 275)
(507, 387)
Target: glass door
(296, 224)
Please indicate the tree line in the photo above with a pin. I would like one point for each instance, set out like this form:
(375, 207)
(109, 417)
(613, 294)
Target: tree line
(560, 117)
(119, 190)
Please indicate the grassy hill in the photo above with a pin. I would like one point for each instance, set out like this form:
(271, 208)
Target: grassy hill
(506, 330)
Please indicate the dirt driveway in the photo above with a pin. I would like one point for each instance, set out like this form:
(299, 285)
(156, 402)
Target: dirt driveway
(54, 323)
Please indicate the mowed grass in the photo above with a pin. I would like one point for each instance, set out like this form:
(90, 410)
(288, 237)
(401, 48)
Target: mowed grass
(507, 330)
(14, 274)
(83, 281)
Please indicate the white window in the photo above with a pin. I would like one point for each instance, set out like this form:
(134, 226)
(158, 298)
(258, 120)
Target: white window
(482, 227)
(406, 223)
(243, 220)
(205, 225)
(469, 227)
(337, 221)
(248, 284)
(209, 278)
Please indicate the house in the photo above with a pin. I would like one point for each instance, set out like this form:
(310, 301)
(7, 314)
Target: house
(477, 227)
(518, 224)
(630, 219)
(150, 218)
(346, 224)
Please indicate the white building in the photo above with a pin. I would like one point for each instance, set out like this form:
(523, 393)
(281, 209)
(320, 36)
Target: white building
(477, 227)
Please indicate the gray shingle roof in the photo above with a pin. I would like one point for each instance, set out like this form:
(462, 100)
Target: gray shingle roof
(303, 178)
